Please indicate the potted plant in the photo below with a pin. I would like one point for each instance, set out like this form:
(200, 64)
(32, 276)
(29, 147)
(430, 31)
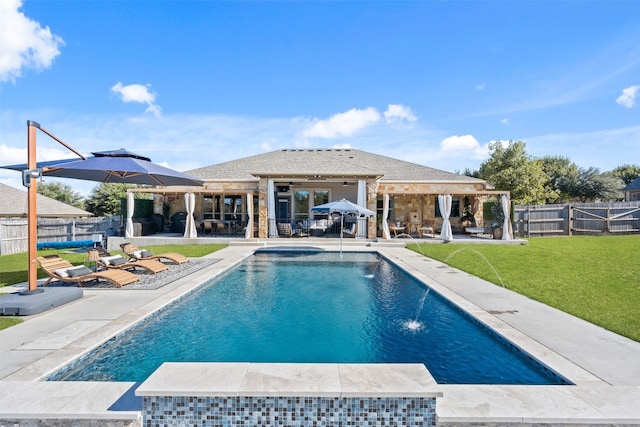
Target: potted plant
(498, 220)
(467, 219)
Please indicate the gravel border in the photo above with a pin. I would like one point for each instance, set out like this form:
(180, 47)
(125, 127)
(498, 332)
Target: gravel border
(151, 281)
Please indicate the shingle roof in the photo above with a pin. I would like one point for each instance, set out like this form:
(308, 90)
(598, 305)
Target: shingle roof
(13, 203)
(633, 185)
(326, 162)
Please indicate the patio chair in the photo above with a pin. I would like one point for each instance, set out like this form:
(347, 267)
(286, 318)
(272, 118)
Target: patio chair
(351, 232)
(427, 229)
(207, 227)
(141, 254)
(62, 270)
(121, 263)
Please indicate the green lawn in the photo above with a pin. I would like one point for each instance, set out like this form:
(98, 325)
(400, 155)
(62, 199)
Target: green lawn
(596, 278)
(13, 268)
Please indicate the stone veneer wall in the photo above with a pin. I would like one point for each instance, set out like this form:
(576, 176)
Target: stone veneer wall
(288, 411)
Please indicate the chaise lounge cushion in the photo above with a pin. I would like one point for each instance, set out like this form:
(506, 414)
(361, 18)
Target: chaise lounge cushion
(78, 271)
(117, 261)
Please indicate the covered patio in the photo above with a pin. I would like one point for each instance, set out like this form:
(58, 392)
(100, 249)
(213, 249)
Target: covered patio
(272, 195)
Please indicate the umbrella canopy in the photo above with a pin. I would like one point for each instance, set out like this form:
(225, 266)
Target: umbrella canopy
(343, 207)
(114, 166)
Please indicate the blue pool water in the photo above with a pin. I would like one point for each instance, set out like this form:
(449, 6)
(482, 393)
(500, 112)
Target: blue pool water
(315, 308)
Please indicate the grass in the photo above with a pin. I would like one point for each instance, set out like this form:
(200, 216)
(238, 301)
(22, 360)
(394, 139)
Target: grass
(596, 278)
(13, 268)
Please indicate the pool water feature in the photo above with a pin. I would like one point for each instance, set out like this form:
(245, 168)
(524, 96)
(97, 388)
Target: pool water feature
(314, 308)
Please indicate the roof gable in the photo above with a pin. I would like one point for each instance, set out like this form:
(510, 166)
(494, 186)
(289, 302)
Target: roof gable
(13, 203)
(335, 162)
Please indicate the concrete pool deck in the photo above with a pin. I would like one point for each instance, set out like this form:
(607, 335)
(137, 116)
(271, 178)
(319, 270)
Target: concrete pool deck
(604, 366)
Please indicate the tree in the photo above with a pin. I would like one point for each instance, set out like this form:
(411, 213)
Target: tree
(61, 192)
(105, 199)
(591, 185)
(510, 168)
(560, 171)
(626, 173)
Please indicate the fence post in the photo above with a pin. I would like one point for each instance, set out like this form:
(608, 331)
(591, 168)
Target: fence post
(570, 219)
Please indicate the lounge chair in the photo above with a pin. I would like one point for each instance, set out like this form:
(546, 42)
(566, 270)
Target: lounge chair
(352, 231)
(62, 270)
(123, 263)
(141, 254)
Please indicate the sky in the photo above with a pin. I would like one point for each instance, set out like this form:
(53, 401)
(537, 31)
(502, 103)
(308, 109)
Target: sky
(196, 83)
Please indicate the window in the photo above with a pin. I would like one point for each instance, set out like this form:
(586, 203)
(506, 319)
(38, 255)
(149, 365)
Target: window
(455, 208)
(320, 197)
(301, 205)
(380, 208)
(207, 207)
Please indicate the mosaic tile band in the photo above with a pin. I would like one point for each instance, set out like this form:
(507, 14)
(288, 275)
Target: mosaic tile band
(288, 411)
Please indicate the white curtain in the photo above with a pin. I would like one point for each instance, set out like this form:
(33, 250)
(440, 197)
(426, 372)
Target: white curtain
(249, 231)
(385, 218)
(128, 232)
(362, 201)
(507, 228)
(444, 202)
(190, 224)
(271, 209)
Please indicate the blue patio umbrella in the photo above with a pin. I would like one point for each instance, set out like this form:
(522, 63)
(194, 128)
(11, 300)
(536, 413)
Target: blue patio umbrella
(343, 207)
(113, 166)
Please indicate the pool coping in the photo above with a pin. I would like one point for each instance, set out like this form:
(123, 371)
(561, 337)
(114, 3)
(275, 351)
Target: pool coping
(46, 342)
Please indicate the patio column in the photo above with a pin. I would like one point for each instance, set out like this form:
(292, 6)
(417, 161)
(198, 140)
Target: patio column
(362, 201)
(271, 209)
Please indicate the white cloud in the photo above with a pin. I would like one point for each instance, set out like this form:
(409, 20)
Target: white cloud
(140, 94)
(397, 114)
(629, 96)
(343, 124)
(504, 121)
(465, 144)
(480, 86)
(25, 43)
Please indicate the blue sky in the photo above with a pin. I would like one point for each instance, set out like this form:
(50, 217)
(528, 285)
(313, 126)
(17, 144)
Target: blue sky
(194, 83)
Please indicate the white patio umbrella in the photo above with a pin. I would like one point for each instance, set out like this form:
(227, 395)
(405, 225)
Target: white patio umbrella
(343, 207)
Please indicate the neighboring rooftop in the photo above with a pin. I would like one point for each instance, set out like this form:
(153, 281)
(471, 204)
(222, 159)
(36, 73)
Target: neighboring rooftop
(13, 203)
(335, 162)
(633, 185)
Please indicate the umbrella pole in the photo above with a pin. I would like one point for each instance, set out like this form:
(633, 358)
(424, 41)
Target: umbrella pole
(341, 227)
(32, 221)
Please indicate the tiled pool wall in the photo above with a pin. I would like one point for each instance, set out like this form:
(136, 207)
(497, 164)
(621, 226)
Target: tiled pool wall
(280, 394)
(288, 411)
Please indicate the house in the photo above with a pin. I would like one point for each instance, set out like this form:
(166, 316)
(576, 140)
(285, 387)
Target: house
(632, 191)
(13, 204)
(282, 187)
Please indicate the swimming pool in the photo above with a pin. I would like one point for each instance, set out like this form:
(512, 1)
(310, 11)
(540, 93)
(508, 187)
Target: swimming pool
(315, 308)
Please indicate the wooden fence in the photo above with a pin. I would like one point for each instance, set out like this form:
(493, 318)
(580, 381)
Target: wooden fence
(577, 219)
(14, 234)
